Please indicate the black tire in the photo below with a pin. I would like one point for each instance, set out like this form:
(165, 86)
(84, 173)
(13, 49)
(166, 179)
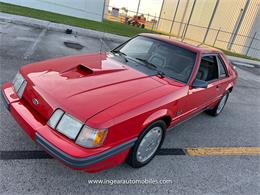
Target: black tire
(215, 111)
(132, 156)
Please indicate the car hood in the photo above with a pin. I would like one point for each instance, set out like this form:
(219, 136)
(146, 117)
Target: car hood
(83, 85)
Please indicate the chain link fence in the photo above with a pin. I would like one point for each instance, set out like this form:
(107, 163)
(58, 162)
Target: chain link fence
(227, 24)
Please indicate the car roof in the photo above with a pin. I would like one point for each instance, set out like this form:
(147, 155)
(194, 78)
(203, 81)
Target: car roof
(190, 45)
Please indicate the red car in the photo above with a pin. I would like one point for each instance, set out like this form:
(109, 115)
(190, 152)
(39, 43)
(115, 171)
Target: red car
(93, 112)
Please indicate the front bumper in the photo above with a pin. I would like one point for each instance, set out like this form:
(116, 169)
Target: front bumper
(4, 100)
(57, 145)
(81, 162)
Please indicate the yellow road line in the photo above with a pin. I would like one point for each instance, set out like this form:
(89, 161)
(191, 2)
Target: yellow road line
(222, 151)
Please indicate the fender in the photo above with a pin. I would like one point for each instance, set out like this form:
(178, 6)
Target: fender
(155, 116)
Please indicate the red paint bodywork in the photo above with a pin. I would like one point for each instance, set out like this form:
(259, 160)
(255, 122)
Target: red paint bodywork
(109, 95)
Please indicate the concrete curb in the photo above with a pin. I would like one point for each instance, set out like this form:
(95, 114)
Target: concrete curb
(36, 23)
(241, 61)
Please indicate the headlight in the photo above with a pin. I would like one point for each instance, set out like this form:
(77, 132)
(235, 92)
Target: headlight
(69, 126)
(55, 118)
(19, 84)
(73, 128)
(90, 138)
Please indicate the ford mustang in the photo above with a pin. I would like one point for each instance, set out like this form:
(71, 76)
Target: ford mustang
(95, 111)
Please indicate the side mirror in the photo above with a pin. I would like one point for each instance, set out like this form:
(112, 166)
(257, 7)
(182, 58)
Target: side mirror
(199, 84)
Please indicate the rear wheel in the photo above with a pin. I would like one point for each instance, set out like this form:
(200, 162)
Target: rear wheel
(147, 145)
(220, 106)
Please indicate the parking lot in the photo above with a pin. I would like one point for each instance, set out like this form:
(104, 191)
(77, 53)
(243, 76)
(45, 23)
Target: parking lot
(237, 126)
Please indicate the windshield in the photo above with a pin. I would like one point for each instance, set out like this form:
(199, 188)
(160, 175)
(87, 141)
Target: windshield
(165, 58)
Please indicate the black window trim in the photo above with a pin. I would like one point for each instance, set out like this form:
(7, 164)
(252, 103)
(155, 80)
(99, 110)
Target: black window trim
(222, 63)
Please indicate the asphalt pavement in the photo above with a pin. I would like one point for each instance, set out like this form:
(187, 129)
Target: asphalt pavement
(237, 126)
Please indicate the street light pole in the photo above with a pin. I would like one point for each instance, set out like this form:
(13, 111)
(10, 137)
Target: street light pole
(211, 20)
(188, 23)
(138, 7)
(183, 16)
(160, 15)
(238, 25)
(251, 43)
(175, 13)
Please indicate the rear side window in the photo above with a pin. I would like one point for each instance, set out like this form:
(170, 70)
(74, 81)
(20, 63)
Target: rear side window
(222, 69)
(208, 70)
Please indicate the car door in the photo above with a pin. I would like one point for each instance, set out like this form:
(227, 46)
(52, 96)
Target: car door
(223, 80)
(199, 99)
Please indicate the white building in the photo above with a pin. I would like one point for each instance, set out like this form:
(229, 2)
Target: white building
(226, 18)
(87, 9)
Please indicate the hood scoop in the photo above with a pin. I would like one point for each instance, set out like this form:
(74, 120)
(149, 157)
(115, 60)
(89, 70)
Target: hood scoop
(82, 70)
(77, 72)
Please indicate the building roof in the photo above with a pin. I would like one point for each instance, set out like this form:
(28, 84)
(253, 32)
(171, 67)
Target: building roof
(191, 45)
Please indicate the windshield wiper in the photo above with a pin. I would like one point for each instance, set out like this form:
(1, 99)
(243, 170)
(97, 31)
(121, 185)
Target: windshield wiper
(146, 62)
(159, 72)
(122, 54)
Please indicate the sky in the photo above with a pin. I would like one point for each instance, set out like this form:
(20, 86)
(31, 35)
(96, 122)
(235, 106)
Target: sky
(151, 7)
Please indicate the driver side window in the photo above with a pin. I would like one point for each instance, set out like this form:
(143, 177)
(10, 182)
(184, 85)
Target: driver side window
(208, 70)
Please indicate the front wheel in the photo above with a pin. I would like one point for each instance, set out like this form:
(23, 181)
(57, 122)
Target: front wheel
(147, 145)
(220, 106)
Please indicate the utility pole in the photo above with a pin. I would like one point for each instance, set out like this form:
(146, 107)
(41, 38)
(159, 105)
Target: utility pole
(238, 25)
(183, 16)
(211, 20)
(175, 13)
(138, 7)
(160, 15)
(191, 12)
(251, 43)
